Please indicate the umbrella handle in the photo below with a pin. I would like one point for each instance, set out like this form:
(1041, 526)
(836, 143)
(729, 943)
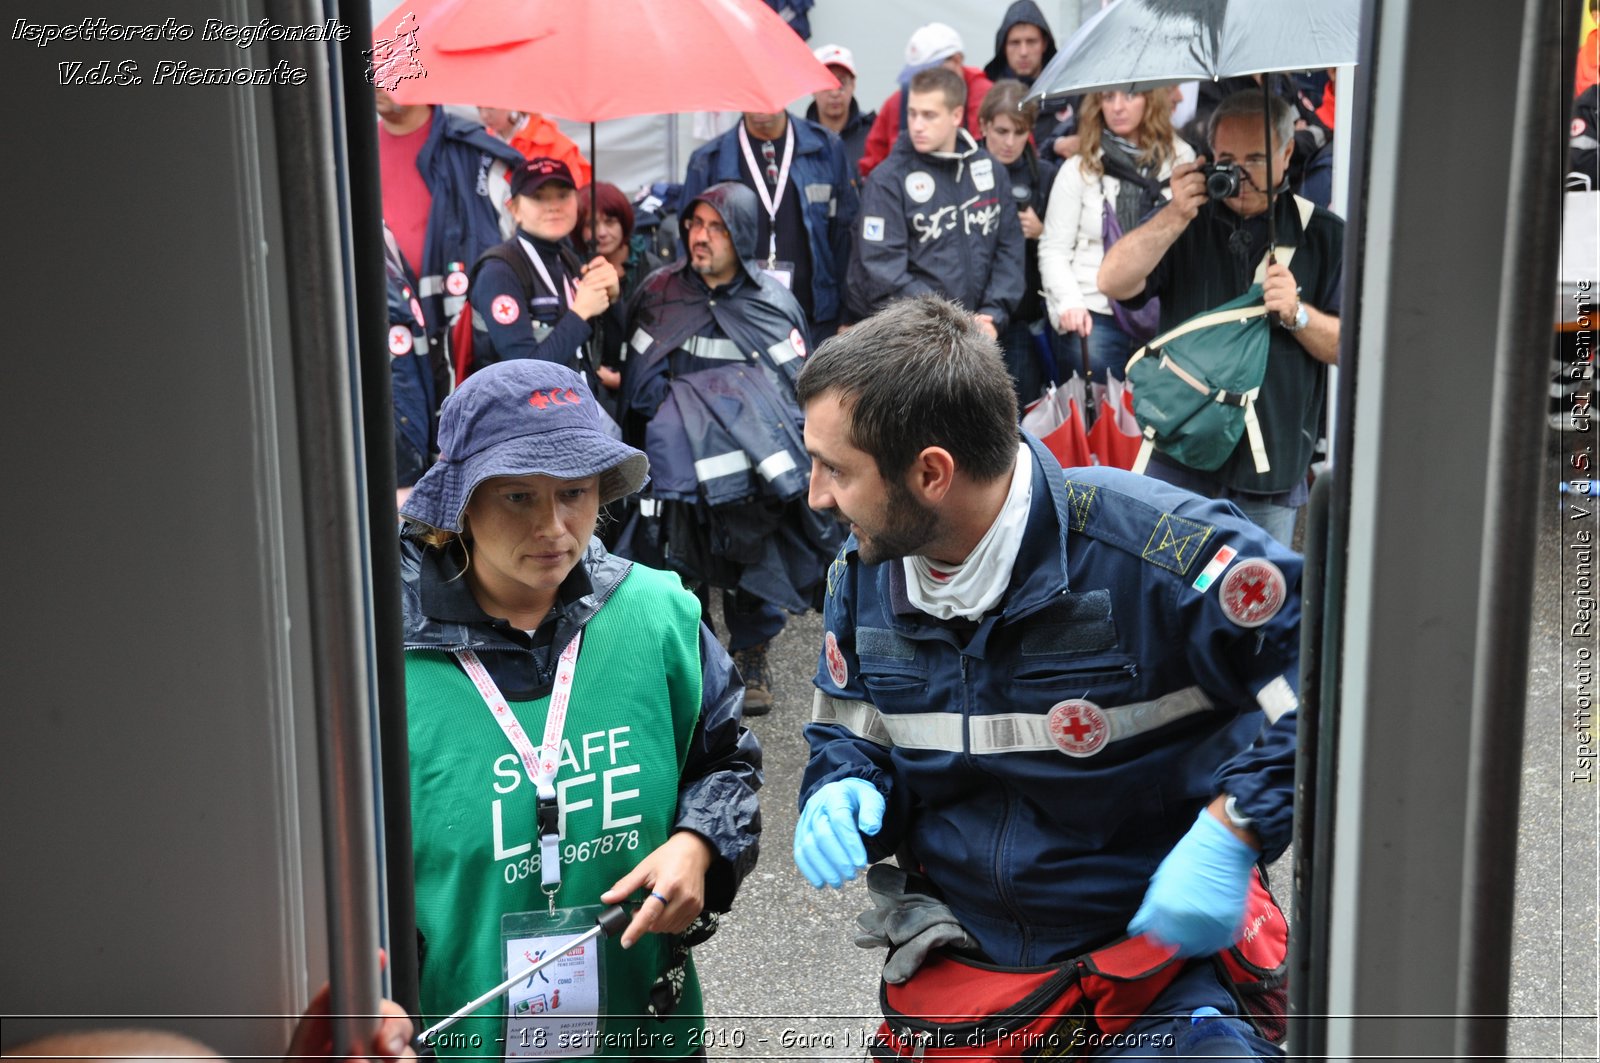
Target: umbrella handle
(1088, 383)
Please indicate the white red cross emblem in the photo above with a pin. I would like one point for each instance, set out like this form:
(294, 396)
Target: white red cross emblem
(505, 309)
(798, 342)
(838, 671)
(1253, 592)
(456, 283)
(1079, 728)
(399, 340)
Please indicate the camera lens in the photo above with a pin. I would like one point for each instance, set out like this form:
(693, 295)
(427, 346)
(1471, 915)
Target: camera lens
(1222, 181)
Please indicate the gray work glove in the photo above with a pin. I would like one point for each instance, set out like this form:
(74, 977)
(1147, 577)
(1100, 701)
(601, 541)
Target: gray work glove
(911, 924)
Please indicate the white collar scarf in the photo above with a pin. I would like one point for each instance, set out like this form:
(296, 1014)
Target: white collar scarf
(972, 588)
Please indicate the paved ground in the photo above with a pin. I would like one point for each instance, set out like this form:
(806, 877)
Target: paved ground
(1554, 976)
(784, 980)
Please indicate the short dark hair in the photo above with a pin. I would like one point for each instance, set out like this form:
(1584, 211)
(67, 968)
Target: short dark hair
(1006, 97)
(945, 80)
(917, 374)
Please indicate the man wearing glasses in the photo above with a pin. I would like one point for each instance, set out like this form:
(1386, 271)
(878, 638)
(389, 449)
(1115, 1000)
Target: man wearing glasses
(1198, 252)
(714, 346)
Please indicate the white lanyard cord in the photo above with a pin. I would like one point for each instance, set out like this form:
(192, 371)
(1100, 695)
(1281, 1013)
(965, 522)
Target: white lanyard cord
(541, 764)
(569, 290)
(773, 201)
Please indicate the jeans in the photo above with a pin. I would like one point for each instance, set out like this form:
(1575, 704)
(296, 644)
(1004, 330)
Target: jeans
(1268, 513)
(1277, 521)
(1109, 347)
(1020, 346)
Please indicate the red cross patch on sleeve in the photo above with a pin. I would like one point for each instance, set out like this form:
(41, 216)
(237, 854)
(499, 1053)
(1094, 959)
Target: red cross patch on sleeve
(838, 671)
(399, 340)
(1253, 592)
(505, 309)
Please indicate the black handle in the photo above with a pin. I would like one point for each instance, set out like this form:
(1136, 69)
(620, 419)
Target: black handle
(614, 920)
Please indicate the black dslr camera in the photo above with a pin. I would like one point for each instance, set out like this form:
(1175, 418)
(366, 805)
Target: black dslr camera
(1222, 179)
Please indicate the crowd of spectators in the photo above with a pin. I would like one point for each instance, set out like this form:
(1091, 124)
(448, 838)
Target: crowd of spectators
(952, 185)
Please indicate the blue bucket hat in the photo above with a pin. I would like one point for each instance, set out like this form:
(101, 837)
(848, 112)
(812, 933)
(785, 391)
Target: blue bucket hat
(520, 418)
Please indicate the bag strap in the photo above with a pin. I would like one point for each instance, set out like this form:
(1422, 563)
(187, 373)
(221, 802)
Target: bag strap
(1147, 447)
(513, 257)
(1285, 253)
(1216, 317)
(1113, 166)
(1252, 428)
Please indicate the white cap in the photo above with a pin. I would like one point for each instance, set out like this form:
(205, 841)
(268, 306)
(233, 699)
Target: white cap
(836, 55)
(933, 43)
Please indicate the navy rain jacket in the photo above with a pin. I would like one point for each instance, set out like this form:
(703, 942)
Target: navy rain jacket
(1041, 818)
(759, 319)
(820, 174)
(416, 406)
(458, 164)
(938, 223)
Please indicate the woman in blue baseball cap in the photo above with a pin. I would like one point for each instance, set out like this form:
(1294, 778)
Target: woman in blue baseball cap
(576, 736)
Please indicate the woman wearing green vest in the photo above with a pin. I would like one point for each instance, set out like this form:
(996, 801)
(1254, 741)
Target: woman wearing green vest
(576, 738)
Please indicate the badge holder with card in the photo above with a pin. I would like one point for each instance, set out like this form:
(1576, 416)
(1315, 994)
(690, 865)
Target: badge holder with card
(558, 1011)
(780, 271)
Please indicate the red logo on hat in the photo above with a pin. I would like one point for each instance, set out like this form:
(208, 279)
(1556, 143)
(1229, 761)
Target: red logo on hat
(555, 397)
(505, 309)
(1079, 728)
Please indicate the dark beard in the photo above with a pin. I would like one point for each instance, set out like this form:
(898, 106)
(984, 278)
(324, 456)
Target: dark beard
(908, 527)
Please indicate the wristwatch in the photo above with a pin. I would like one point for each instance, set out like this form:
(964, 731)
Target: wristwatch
(1230, 807)
(1301, 318)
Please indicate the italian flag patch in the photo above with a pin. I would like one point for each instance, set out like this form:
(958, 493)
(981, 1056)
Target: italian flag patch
(1213, 569)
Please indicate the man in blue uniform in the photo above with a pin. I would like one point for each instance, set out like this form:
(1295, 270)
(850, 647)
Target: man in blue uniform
(808, 204)
(412, 379)
(444, 186)
(715, 343)
(1068, 698)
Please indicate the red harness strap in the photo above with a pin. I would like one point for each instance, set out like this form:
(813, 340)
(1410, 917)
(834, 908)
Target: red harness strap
(957, 1007)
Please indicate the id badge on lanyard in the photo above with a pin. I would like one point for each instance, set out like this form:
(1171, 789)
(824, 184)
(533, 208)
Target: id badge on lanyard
(557, 1012)
(782, 272)
(539, 764)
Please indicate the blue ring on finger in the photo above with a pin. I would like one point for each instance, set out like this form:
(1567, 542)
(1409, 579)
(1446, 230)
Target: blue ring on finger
(660, 898)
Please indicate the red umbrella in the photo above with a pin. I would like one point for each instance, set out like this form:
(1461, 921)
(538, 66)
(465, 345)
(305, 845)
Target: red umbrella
(589, 60)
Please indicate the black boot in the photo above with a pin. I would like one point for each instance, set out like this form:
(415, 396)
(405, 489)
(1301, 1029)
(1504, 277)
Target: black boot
(752, 665)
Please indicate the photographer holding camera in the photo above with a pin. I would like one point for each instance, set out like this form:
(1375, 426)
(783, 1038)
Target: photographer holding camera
(1206, 247)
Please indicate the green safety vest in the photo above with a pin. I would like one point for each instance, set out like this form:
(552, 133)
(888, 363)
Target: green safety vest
(635, 703)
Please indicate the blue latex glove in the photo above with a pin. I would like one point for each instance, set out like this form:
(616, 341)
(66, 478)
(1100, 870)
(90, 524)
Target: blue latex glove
(827, 840)
(1196, 897)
